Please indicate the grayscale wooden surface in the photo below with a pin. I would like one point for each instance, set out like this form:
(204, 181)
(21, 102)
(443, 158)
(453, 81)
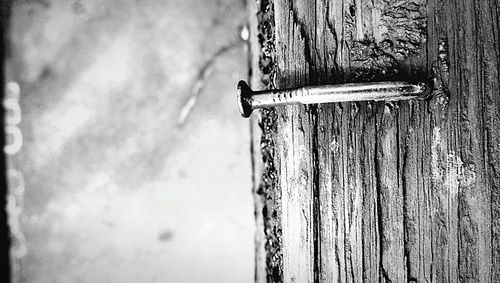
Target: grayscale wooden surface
(396, 192)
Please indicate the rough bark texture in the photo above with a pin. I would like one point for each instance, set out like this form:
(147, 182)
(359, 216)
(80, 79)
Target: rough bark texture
(395, 192)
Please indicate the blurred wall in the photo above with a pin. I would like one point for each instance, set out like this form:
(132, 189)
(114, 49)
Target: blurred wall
(116, 190)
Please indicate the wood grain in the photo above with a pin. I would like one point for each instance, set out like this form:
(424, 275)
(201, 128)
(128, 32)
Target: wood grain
(392, 192)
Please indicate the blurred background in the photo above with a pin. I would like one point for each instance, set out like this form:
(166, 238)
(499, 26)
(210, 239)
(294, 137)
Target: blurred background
(127, 158)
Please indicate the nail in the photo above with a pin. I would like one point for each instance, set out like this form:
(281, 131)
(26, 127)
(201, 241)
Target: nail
(389, 91)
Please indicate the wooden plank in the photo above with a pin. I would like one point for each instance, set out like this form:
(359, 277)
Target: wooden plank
(391, 192)
(489, 73)
(295, 164)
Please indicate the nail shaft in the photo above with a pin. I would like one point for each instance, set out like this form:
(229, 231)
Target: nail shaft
(387, 91)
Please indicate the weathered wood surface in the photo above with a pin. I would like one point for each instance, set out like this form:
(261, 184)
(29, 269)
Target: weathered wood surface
(396, 192)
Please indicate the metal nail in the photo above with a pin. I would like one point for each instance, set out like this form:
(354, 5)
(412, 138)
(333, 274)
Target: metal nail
(388, 91)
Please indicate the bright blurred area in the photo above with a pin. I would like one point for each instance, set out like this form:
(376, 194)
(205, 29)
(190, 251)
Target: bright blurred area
(129, 161)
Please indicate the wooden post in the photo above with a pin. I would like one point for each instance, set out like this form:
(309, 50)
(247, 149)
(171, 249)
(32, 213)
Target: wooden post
(397, 192)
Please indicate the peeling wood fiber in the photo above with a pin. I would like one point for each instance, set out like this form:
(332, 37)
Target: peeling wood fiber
(267, 197)
(393, 192)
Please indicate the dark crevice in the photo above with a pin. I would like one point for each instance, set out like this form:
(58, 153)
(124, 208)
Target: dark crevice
(316, 195)
(304, 35)
(5, 241)
(379, 206)
(363, 152)
(403, 146)
(385, 275)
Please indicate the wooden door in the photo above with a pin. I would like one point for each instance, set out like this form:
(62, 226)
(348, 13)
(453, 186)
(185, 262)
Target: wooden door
(369, 191)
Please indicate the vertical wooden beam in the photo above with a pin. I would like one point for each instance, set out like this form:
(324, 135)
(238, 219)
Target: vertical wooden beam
(390, 191)
(488, 39)
(295, 163)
